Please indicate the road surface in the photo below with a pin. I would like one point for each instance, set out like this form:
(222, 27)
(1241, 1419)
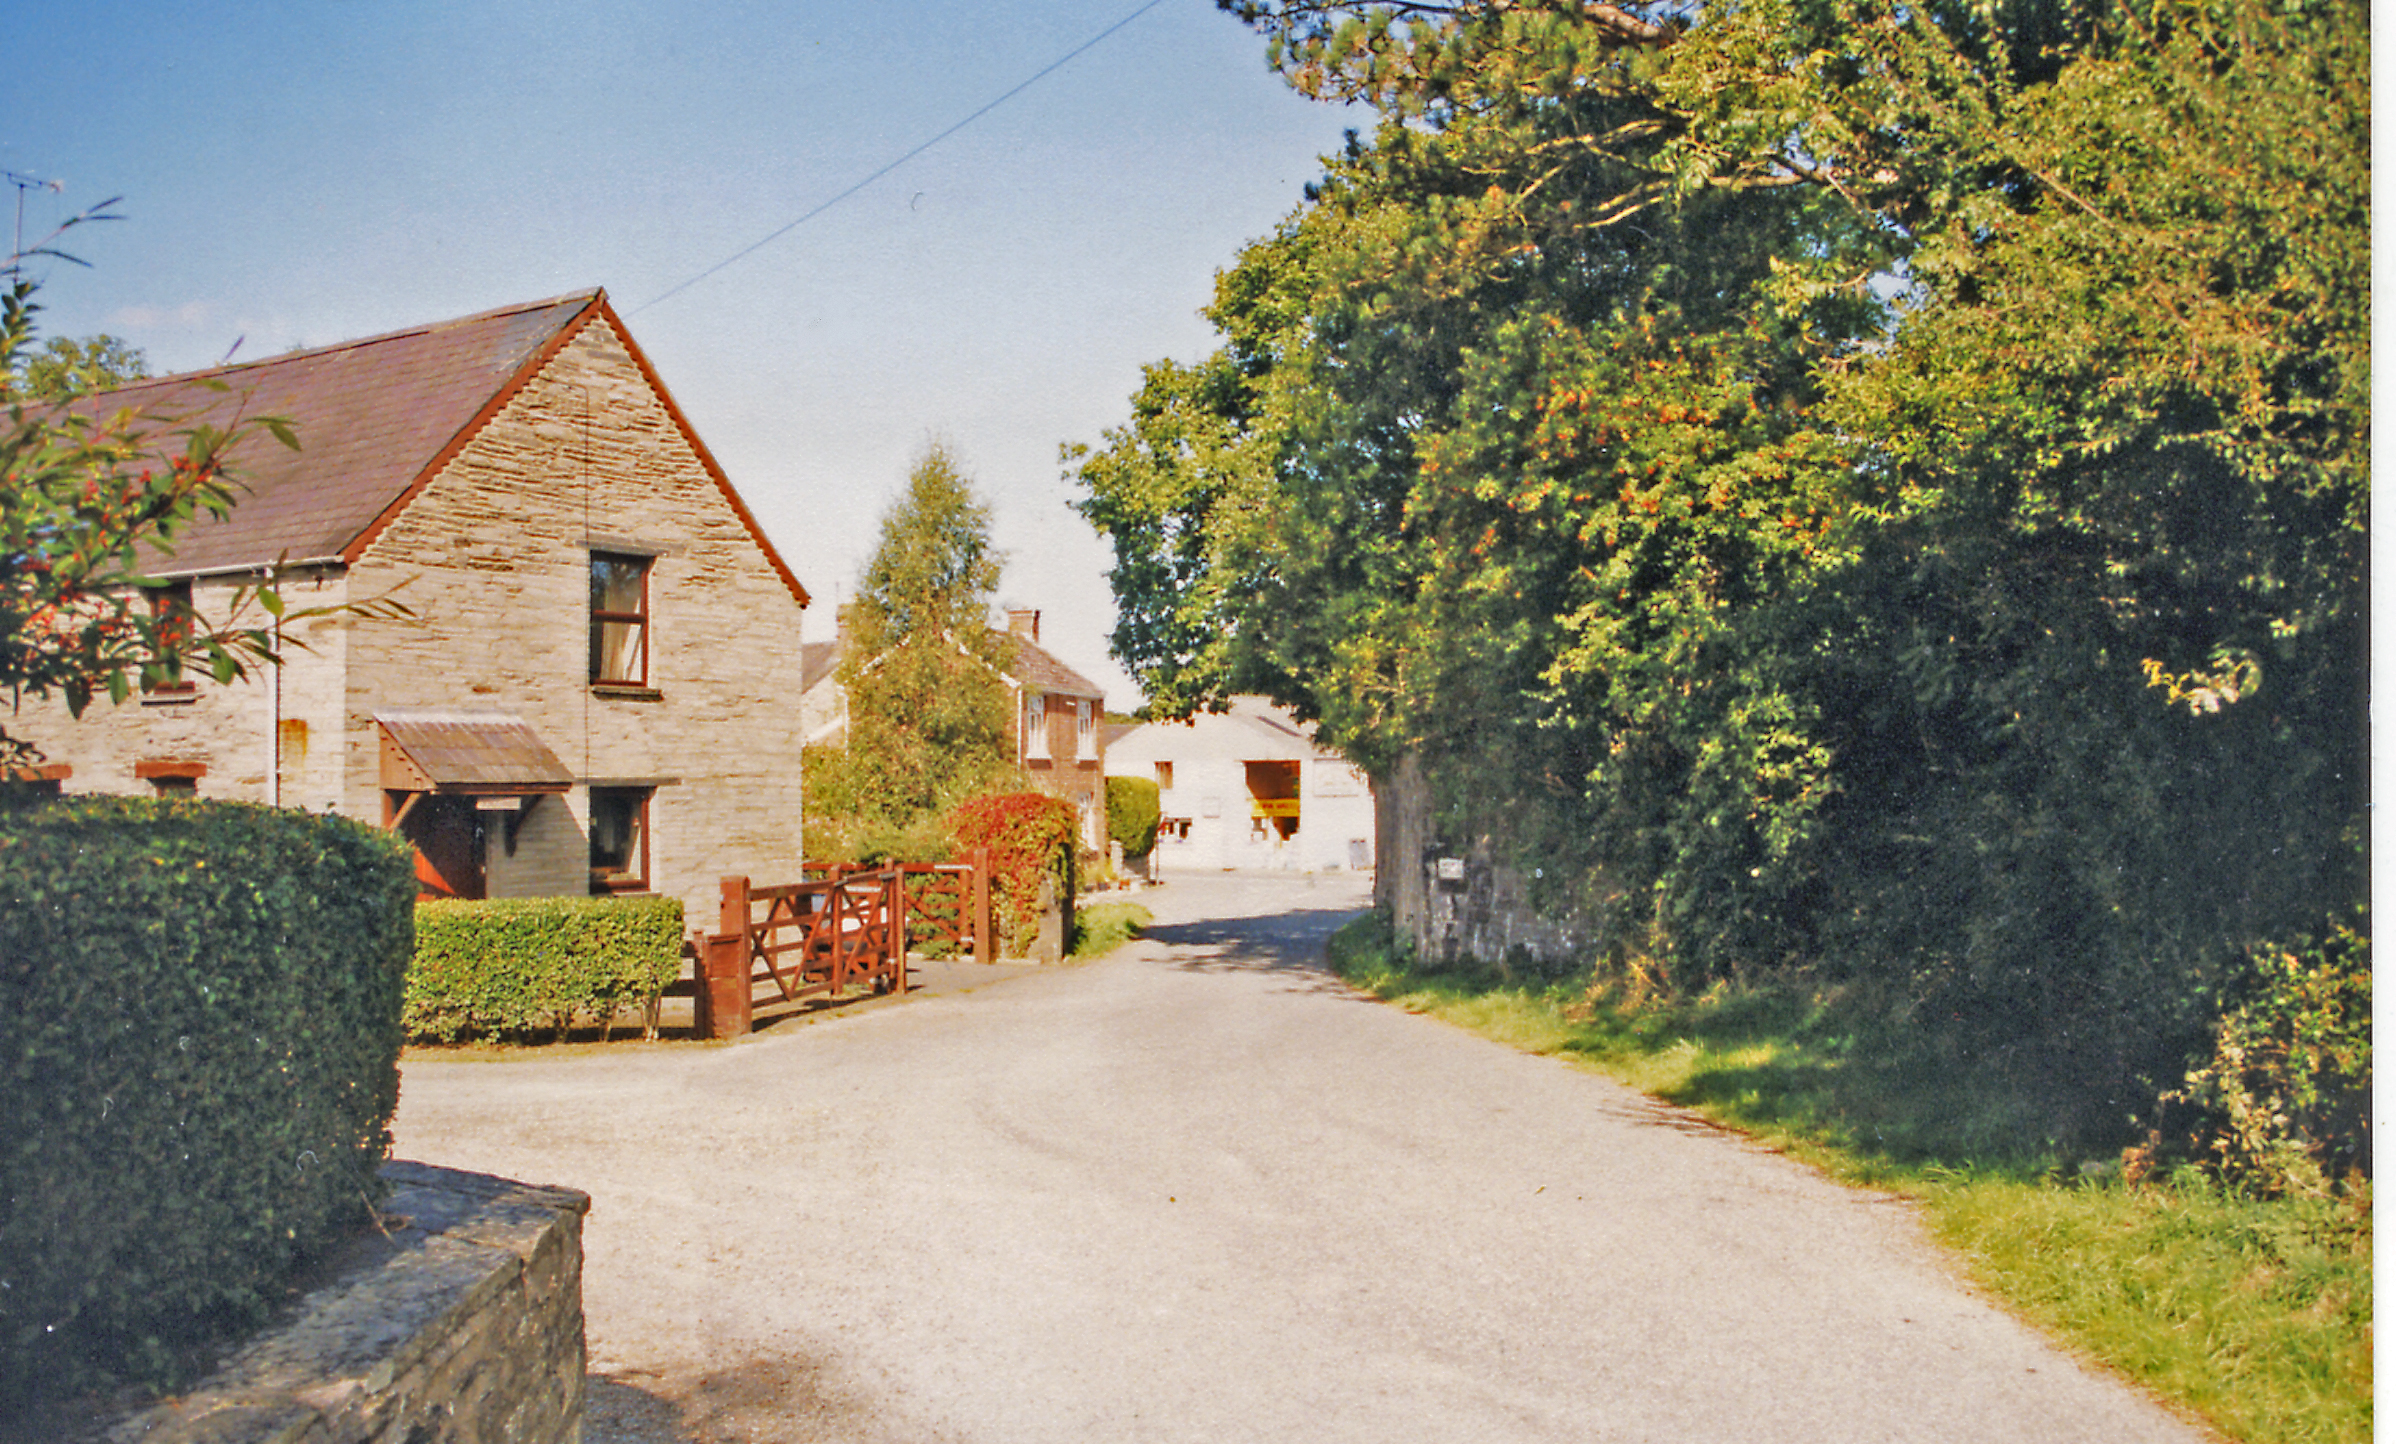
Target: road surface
(1200, 1191)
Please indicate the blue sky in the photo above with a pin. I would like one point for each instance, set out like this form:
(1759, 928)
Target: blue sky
(309, 173)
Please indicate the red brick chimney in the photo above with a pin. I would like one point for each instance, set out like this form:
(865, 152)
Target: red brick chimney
(1024, 622)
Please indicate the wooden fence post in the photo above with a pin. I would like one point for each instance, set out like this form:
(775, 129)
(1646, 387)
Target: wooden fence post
(702, 1010)
(897, 889)
(985, 945)
(1065, 904)
(724, 963)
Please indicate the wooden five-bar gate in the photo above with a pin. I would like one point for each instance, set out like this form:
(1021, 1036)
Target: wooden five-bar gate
(850, 927)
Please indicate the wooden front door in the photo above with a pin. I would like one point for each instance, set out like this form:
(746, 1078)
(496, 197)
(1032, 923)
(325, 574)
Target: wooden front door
(447, 834)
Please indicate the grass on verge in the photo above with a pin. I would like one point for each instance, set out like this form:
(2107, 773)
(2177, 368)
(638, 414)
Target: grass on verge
(2254, 1315)
(1100, 928)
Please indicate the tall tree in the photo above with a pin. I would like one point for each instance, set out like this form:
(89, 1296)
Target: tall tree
(934, 569)
(1878, 490)
(923, 673)
(62, 367)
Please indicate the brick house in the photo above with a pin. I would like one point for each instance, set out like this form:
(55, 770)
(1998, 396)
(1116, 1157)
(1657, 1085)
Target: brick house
(1058, 713)
(595, 692)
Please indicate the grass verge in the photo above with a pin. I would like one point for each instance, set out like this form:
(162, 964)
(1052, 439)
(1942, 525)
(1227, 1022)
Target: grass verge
(1100, 928)
(2253, 1315)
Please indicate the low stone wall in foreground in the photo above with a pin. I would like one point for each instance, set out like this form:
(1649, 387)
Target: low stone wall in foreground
(464, 1326)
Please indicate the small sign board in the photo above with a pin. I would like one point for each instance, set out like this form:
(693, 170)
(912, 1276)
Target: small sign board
(1449, 869)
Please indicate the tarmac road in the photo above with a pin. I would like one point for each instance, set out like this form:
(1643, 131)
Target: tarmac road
(1200, 1191)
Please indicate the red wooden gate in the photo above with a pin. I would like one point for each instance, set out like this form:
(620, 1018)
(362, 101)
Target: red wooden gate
(821, 939)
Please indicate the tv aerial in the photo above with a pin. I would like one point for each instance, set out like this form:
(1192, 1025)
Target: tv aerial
(24, 183)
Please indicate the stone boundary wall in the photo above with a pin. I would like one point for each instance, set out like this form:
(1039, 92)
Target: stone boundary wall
(1451, 898)
(464, 1326)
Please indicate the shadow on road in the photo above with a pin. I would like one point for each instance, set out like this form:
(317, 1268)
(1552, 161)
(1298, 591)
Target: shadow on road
(787, 1399)
(1286, 944)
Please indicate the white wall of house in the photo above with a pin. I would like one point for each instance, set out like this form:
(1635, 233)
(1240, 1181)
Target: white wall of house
(1209, 772)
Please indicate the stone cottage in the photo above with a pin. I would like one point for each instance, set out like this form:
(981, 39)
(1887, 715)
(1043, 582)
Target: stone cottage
(596, 689)
(1248, 787)
(1059, 737)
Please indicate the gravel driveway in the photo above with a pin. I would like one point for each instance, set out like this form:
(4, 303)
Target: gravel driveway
(1200, 1191)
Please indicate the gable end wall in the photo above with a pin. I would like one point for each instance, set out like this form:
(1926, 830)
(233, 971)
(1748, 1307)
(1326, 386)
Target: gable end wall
(493, 555)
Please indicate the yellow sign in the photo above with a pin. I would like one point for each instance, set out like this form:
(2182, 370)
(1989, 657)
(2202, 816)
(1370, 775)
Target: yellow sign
(1272, 807)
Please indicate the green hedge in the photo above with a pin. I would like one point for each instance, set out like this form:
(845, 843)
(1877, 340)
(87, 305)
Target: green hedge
(1133, 811)
(513, 966)
(199, 1045)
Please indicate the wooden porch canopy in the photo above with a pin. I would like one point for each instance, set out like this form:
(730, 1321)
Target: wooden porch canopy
(492, 757)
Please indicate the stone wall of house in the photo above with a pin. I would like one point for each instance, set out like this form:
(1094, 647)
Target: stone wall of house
(1450, 896)
(587, 457)
(273, 737)
(493, 559)
(463, 1325)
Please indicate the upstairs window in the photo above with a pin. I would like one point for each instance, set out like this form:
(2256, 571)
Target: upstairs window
(620, 618)
(1164, 777)
(1035, 727)
(1085, 729)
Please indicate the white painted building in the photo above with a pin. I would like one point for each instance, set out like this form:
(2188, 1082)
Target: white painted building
(1248, 788)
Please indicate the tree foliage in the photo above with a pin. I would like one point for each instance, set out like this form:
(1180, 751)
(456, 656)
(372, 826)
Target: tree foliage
(923, 673)
(62, 366)
(1874, 491)
(84, 489)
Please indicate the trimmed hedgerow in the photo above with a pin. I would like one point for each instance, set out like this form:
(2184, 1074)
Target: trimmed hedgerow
(1133, 811)
(199, 1046)
(512, 966)
(1030, 835)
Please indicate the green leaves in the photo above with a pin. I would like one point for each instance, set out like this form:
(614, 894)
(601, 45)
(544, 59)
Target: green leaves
(511, 967)
(1759, 468)
(1133, 812)
(199, 1040)
(923, 675)
(82, 491)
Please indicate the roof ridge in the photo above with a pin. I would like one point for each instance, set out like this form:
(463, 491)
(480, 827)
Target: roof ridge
(583, 297)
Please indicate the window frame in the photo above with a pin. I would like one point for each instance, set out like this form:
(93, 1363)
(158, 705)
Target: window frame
(634, 875)
(164, 599)
(642, 621)
(1035, 724)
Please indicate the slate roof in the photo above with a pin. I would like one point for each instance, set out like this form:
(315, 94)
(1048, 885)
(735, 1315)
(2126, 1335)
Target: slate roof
(468, 750)
(816, 662)
(1263, 730)
(1038, 668)
(1034, 666)
(371, 415)
(376, 420)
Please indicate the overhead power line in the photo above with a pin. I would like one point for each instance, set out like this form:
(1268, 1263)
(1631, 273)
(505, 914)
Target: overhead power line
(1043, 73)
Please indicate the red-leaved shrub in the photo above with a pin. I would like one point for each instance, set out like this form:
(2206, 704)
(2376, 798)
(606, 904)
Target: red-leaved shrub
(1029, 834)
